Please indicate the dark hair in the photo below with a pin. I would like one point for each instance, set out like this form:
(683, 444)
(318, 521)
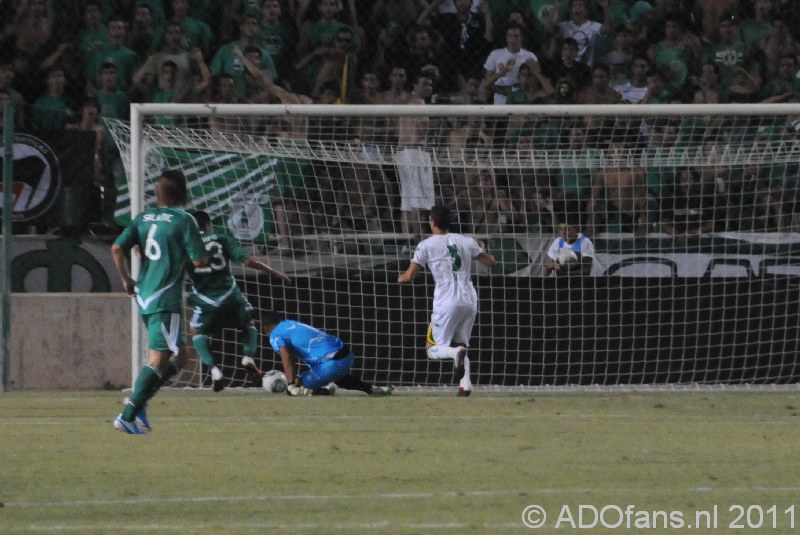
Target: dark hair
(441, 216)
(54, 68)
(108, 65)
(621, 28)
(652, 71)
(418, 28)
(115, 18)
(601, 67)
(672, 16)
(570, 41)
(515, 26)
(172, 188)
(366, 71)
(270, 317)
(249, 14)
(571, 219)
(202, 218)
(174, 23)
(422, 74)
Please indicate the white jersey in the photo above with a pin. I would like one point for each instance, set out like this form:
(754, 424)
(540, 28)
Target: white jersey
(449, 258)
(631, 93)
(502, 56)
(586, 34)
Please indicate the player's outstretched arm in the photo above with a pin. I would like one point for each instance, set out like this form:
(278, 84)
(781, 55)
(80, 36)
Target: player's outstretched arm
(288, 364)
(409, 273)
(255, 263)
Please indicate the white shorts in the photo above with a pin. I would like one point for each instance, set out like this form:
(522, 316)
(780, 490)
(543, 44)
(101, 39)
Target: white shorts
(453, 324)
(415, 174)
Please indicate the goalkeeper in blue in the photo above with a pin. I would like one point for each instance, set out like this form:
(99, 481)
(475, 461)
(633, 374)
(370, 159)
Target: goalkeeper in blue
(218, 301)
(449, 257)
(327, 357)
(166, 238)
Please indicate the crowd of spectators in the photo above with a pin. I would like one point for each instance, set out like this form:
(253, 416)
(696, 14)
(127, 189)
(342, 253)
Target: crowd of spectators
(72, 63)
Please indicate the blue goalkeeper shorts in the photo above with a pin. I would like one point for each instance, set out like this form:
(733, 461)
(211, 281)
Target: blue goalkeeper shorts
(327, 372)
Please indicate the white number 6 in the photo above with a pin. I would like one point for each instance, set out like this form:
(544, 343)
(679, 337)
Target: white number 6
(151, 248)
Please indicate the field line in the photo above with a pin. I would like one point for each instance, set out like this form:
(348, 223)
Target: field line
(280, 421)
(262, 526)
(284, 497)
(382, 496)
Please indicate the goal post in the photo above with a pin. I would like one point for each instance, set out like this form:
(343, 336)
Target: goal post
(692, 211)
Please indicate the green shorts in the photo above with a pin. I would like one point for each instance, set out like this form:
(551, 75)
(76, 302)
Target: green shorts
(234, 313)
(164, 331)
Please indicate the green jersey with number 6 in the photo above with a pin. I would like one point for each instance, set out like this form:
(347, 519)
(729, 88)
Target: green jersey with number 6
(167, 238)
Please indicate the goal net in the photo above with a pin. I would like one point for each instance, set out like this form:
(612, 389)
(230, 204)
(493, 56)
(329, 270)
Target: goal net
(692, 212)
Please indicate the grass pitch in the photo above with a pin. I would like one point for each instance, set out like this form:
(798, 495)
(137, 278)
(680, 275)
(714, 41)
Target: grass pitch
(238, 462)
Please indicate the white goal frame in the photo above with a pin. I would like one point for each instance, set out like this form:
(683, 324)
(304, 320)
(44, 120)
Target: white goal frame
(140, 111)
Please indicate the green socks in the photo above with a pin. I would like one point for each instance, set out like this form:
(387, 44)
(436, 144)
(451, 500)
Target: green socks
(250, 341)
(147, 384)
(203, 348)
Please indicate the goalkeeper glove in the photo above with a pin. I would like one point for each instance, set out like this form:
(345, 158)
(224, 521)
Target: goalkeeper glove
(297, 390)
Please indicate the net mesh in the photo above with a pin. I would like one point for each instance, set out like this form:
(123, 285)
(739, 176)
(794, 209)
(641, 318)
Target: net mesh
(692, 217)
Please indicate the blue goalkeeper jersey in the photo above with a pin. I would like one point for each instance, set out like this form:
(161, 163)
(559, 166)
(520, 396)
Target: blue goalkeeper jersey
(314, 346)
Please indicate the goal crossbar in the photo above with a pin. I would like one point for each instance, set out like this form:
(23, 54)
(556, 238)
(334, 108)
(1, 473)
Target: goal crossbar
(545, 110)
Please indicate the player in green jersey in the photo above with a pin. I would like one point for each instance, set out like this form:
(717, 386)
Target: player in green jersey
(165, 238)
(218, 301)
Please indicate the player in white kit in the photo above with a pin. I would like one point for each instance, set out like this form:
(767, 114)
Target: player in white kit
(449, 256)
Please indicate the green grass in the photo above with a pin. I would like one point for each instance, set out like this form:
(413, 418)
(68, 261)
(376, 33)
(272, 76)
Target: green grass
(239, 462)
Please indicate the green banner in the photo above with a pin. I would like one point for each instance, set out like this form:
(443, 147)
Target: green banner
(237, 190)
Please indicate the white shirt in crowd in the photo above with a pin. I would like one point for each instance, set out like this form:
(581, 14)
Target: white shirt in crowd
(501, 56)
(631, 93)
(585, 35)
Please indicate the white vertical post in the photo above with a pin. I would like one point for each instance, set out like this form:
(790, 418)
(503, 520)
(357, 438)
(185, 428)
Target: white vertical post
(136, 191)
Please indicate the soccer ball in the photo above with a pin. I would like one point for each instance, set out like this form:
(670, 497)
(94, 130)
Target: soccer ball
(566, 257)
(274, 381)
